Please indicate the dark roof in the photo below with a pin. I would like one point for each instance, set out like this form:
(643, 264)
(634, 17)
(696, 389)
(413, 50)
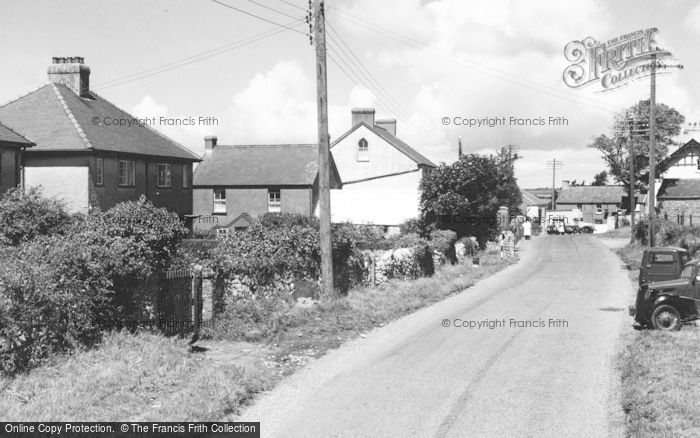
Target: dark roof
(679, 189)
(690, 146)
(591, 195)
(57, 119)
(7, 135)
(392, 140)
(262, 165)
(540, 193)
(530, 199)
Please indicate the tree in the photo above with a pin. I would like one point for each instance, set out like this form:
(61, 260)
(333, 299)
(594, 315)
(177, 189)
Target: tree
(600, 179)
(465, 196)
(615, 147)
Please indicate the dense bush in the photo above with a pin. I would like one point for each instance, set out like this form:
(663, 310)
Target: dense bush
(58, 292)
(286, 220)
(26, 215)
(444, 241)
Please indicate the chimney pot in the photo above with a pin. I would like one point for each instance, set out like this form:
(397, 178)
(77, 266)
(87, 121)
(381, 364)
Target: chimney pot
(360, 115)
(70, 71)
(209, 144)
(387, 124)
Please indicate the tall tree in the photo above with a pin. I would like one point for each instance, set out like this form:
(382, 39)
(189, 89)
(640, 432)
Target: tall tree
(600, 179)
(465, 196)
(615, 147)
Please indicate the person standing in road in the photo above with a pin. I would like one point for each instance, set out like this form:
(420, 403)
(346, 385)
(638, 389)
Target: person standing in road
(527, 229)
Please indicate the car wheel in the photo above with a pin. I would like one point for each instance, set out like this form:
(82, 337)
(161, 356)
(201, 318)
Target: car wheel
(666, 317)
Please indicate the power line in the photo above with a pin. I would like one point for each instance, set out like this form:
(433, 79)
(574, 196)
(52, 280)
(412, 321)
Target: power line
(293, 5)
(191, 59)
(272, 9)
(475, 65)
(360, 70)
(257, 16)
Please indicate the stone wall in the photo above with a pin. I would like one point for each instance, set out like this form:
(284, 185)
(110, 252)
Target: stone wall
(673, 208)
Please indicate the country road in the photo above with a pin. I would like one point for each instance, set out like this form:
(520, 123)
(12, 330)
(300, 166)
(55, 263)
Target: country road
(545, 368)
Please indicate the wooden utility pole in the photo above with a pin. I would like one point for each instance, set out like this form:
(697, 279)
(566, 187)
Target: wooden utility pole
(632, 198)
(554, 163)
(652, 153)
(323, 149)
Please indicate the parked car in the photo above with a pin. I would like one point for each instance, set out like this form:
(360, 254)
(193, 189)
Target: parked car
(666, 305)
(662, 264)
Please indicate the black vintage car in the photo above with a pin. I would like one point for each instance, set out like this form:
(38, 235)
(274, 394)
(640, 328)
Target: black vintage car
(666, 305)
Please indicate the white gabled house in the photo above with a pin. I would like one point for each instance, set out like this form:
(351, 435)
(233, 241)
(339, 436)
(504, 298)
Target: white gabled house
(381, 174)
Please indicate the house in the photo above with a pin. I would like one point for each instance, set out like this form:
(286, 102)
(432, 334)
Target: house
(679, 192)
(234, 184)
(87, 155)
(381, 174)
(12, 146)
(532, 206)
(599, 205)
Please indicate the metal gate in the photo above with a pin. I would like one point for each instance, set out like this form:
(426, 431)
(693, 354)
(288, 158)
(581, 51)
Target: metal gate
(179, 301)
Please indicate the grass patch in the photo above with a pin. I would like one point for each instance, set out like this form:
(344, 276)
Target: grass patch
(617, 233)
(142, 377)
(330, 322)
(659, 384)
(659, 373)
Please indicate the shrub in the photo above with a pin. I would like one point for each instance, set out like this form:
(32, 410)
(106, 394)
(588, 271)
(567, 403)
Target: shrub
(286, 220)
(471, 246)
(26, 215)
(443, 241)
(55, 297)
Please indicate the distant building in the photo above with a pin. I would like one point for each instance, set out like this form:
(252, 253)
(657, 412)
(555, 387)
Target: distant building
(532, 206)
(679, 192)
(234, 184)
(381, 174)
(599, 205)
(12, 146)
(84, 157)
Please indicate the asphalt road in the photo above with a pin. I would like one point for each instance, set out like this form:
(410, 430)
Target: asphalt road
(416, 377)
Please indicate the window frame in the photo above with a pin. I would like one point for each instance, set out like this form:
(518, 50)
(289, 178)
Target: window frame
(219, 201)
(185, 177)
(599, 209)
(168, 176)
(130, 177)
(274, 206)
(363, 150)
(99, 171)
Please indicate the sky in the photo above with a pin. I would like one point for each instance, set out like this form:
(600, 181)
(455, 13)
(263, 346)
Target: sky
(416, 61)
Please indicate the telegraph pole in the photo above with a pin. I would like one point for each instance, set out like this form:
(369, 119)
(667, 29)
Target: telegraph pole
(554, 164)
(632, 198)
(652, 153)
(323, 150)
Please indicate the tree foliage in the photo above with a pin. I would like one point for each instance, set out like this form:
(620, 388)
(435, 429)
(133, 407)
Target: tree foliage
(26, 215)
(600, 179)
(615, 147)
(465, 196)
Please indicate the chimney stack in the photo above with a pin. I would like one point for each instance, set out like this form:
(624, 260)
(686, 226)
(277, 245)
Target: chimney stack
(564, 184)
(209, 144)
(387, 124)
(72, 72)
(362, 115)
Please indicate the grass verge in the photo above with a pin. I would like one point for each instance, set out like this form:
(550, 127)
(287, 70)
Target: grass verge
(148, 377)
(659, 373)
(142, 377)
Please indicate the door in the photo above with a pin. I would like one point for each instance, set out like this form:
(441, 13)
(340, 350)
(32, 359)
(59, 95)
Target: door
(661, 266)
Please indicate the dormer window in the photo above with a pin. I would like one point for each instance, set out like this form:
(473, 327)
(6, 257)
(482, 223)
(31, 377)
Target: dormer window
(362, 150)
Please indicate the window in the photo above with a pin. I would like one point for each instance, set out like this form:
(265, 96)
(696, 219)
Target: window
(163, 178)
(362, 150)
(185, 176)
(599, 209)
(126, 177)
(662, 258)
(219, 201)
(99, 171)
(579, 207)
(222, 233)
(274, 201)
